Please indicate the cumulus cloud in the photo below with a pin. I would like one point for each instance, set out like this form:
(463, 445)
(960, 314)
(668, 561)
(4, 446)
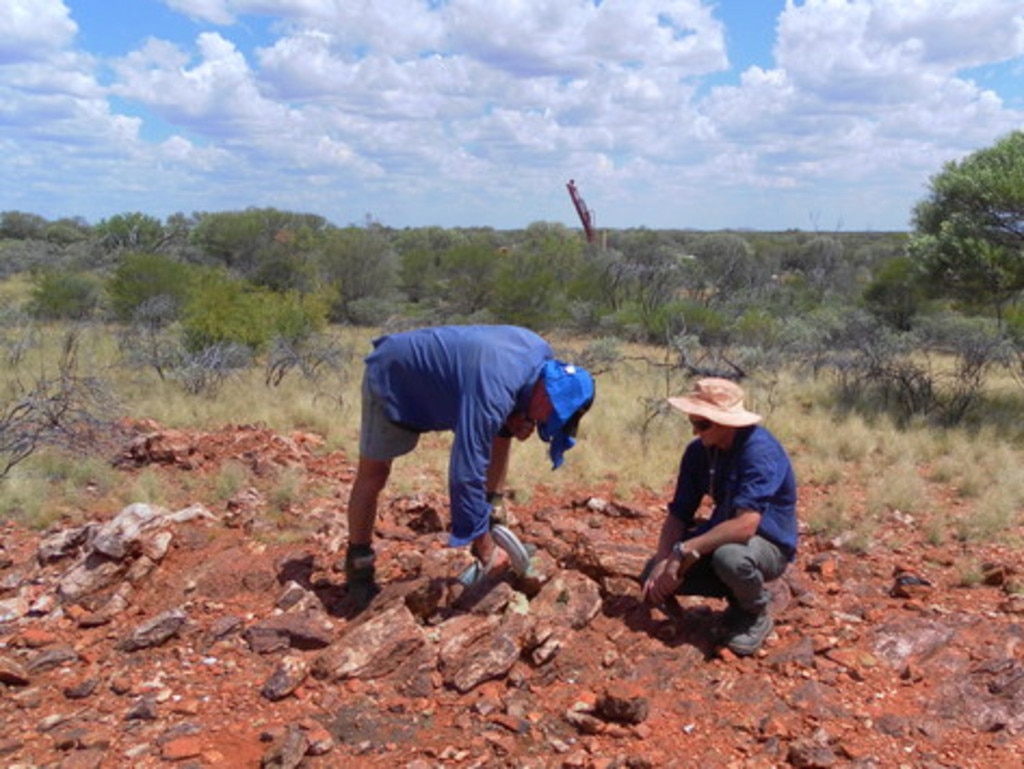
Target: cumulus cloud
(454, 111)
(892, 73)
(31, 30)
(216, 96)
(575, 37)
(893, 50)
(48, 89)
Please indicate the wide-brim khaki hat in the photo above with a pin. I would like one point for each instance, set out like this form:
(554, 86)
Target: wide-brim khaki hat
(719, 400)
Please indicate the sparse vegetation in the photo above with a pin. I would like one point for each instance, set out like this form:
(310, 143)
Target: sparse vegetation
(230, 479)
(889, 363)
(624, 446)
(288, 486)
(60, 406)
(147, 487)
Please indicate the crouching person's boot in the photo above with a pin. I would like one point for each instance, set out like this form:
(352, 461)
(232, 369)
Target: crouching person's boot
(361, 575)
(746, 630)
(742, 569)
(749, 633)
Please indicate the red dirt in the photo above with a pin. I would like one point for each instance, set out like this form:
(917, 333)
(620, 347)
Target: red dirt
(862, 670)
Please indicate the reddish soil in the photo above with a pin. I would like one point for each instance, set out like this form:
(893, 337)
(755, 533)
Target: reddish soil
(883, 658)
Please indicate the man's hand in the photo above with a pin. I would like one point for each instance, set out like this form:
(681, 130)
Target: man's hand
(666, 577)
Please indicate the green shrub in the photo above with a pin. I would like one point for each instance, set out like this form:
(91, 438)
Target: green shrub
(757, 326)
(295, 316)
(142, 278)
(371, 310)
(709, 325)
(225, 311)
(527, 292)
(65, 296)
(896, 293)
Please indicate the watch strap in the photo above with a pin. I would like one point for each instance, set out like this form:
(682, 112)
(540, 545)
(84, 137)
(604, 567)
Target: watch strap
(680, 549)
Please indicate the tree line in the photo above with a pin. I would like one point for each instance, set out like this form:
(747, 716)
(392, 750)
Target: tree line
(640, 285)
(908, 321)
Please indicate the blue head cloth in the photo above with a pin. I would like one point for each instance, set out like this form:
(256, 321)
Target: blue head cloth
(571, 391)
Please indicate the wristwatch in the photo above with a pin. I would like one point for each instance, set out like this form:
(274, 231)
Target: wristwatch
(680, 549)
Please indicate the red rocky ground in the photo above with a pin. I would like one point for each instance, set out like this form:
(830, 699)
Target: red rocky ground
(218, 634)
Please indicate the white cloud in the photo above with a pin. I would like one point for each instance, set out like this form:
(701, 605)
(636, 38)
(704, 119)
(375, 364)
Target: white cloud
(404, 27)
(31, 30)
(49, 95)
(468, 112)
(892, 50)
(863, 90)
(213, 11)
(218, 96)
(575, 37)
(538, 78)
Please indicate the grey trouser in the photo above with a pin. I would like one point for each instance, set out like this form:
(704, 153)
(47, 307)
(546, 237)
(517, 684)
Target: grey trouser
(379, 437)
(737, 572)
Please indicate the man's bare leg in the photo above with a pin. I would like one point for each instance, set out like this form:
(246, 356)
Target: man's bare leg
(371, 477)
(360, 571)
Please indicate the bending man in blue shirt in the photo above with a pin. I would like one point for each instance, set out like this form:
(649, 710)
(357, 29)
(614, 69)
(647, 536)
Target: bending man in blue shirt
(487, 384)
(751, 535)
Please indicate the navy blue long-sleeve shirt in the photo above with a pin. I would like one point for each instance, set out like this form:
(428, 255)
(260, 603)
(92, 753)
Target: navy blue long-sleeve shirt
(468, 379)
(754, 474)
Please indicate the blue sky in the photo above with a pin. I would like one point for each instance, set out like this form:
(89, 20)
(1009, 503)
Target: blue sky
(760, 114)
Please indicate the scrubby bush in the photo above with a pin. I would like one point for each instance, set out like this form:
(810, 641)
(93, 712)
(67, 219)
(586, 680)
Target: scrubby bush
(225, 311)
(711, 325)
(203, 371)
(63, 407)
(141, 278)
(59, 295)
(896, 294)
(309, 356)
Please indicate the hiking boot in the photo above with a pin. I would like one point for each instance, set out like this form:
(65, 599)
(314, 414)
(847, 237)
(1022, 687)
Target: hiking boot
(361, 574)
(746, 632)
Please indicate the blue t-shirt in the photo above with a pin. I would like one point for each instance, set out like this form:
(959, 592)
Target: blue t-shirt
(468, 379)
(754, 474)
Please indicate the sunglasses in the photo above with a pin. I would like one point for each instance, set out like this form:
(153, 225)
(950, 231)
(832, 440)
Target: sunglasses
(701, 425)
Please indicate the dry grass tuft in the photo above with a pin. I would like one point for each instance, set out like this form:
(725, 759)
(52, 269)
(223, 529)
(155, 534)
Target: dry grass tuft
(231, 478)
(25, 497)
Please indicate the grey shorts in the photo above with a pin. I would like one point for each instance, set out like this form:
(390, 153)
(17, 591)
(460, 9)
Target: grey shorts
(379, 437)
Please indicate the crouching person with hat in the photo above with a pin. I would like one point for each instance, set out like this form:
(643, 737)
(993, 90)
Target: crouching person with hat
(751, 536)
(487, 385)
